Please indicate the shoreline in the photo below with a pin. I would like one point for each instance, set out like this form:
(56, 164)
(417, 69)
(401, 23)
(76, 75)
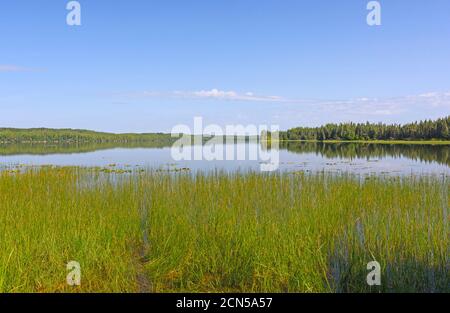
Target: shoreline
(384, 142)
(381, 142)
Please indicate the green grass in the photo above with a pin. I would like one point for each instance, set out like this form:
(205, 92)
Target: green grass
(49, 217)
(243, 232)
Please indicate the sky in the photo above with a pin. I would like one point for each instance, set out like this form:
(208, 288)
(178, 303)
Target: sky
(147, 65)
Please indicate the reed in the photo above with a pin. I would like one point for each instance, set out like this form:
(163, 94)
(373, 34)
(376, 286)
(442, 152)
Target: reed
(217, 232)
(50, 216)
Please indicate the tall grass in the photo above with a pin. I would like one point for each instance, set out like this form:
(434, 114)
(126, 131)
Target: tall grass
(157, 232)
(49, 217)
(297, 233)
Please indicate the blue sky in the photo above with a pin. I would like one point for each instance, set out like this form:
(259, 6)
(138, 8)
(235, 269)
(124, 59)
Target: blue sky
(145, 66)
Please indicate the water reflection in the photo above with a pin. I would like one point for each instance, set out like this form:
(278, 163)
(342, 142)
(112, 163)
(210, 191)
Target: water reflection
(439, 154)
(360, 158)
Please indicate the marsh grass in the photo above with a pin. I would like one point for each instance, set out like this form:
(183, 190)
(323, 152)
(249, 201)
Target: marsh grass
(297, 233)
(218, 232)
(49, 217)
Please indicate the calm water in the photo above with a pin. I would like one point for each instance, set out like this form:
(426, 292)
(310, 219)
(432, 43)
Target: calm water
(308, 157)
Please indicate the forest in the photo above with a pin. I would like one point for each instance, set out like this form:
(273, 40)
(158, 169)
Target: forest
(423, 130)
(46, 135)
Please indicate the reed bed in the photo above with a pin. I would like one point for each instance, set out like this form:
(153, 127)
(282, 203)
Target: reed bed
(50, 216)
(218, 232)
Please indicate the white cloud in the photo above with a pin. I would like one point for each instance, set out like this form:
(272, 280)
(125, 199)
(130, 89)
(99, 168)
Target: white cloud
(364, 106)
(227, 95)
(4, 68)
(387, 106)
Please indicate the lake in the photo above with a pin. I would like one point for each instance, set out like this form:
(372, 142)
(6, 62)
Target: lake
(365, 159)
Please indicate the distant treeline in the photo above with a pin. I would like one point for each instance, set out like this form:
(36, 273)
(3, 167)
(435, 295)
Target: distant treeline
(71, 136)
(423, 130)
(45, 135)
